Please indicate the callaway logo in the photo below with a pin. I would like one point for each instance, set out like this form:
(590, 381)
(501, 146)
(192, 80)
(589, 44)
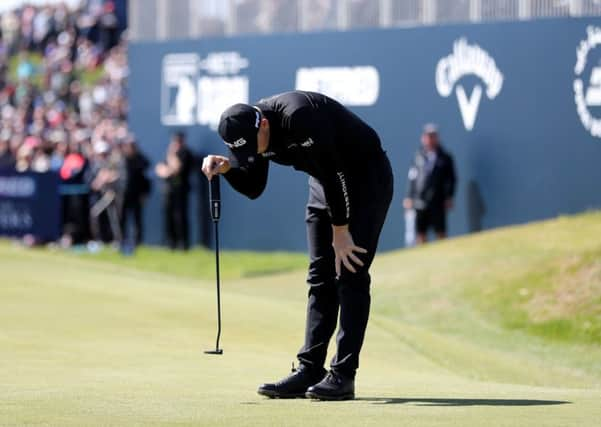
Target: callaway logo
(466, 60)
(236, 144)
(592, 97)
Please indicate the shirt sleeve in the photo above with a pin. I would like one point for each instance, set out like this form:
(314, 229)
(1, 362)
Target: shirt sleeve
(251, 180)
(308, 124)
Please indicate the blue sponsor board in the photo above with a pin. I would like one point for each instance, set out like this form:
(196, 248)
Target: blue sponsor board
(30, 204)
(517, 104)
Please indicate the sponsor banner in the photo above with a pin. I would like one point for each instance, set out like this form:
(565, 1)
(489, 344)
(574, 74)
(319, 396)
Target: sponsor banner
(357, 86)
(30, 204)
(195, 90)
(518, 104)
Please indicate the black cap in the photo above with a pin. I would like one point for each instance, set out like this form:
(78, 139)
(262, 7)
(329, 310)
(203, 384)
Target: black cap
(238, 127)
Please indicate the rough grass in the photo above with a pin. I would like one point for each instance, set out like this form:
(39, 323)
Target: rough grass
(549, 284)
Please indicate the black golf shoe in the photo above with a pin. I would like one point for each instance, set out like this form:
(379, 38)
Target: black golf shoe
(334, 386)
(294, 385)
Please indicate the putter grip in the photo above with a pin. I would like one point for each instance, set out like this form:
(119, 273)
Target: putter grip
(215, 198)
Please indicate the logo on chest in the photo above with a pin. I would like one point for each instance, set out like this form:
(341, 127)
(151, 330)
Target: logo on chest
(309, 142)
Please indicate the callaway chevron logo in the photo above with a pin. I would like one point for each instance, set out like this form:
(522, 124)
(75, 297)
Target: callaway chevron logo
(468, 59)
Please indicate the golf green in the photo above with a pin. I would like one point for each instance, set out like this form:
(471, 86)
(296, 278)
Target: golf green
(456, 338)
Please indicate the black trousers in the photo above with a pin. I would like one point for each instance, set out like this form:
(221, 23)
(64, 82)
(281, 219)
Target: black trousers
(176, 219)
(132, 208)
(349, 294)
(76, 217)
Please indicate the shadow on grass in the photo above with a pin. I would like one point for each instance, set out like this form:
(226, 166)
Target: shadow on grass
(459, 402)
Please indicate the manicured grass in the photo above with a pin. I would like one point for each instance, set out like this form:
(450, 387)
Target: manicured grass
(200, 263)
(482, 330)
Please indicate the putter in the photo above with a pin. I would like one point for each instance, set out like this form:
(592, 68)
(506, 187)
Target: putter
(215, 201)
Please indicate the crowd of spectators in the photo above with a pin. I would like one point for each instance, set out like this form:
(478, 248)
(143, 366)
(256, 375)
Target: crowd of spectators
(63, 108)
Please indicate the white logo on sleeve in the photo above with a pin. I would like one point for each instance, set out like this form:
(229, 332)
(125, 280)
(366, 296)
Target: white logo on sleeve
(588, 99)
(237, 143)
(347, 203)
(467, 60)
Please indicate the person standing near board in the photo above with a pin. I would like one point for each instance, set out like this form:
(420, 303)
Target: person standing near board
(432, 182)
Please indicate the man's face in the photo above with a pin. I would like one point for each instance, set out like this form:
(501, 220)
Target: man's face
(430, 141)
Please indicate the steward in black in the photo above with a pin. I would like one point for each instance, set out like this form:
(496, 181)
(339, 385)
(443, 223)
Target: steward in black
(432, 183)
(350, 189)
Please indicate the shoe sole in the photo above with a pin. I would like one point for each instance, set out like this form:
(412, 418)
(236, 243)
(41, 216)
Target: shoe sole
(315, 396)
(276, 395)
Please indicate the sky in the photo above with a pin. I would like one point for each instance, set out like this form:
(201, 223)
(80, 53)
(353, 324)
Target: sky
(12, 4)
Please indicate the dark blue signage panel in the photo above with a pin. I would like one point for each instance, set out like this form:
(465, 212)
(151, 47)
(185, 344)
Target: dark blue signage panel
(517, 104)
(30, 204)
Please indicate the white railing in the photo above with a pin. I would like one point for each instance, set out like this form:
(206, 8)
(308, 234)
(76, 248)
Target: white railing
(166, 19)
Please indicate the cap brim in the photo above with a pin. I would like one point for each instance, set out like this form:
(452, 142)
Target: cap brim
(243, 156)
(246, 154)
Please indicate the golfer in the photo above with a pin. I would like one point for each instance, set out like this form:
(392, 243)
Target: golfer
(350, 189)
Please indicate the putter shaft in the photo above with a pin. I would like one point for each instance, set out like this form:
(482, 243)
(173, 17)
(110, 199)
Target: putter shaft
(215, 203)
(218, 287)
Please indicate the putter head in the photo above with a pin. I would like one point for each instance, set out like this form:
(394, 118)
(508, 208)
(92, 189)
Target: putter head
(216, 351)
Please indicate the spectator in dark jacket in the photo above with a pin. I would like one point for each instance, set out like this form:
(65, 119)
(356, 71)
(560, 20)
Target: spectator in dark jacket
(431, 186)
(137, 189)
(175, 171)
